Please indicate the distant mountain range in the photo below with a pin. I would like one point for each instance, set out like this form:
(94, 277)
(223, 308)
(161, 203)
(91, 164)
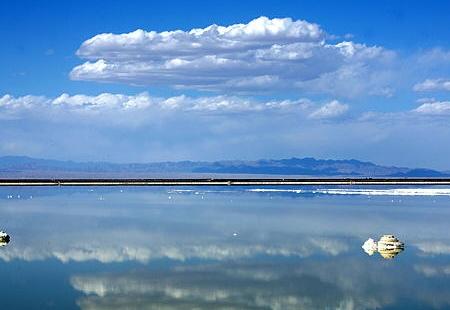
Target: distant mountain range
(22, 166)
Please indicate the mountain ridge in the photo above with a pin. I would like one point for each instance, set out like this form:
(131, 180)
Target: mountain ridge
(24, 166)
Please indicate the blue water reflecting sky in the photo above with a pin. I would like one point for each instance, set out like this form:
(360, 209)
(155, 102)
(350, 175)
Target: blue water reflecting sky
(118, 248)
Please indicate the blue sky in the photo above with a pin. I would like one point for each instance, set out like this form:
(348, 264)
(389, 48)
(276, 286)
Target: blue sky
(316, 78)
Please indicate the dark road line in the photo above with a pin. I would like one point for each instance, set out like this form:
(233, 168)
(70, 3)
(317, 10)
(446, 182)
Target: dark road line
(224, 182)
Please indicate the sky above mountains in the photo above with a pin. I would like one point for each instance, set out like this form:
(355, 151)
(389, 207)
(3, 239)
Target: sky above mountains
(138, 82)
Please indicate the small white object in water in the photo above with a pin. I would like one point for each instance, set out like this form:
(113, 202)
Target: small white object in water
(370, 246)
(235, 234)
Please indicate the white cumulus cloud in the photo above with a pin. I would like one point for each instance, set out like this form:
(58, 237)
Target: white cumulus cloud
(433, 85)
(330, 110)
(11, 106)
(264, 54)
(434, 108)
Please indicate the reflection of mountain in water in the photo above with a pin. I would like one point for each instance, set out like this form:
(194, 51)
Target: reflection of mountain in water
(388, 246)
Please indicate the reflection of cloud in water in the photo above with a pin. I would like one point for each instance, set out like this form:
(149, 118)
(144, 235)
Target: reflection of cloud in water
(289, 252)
(340, 283)
(143, 226)
(148, 226)
(330, 246)
(382, 284)
(433, 271)
(433, 247)
(211, 286)
(222, 251)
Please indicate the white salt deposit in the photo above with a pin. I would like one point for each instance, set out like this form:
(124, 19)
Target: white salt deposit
(363, 191)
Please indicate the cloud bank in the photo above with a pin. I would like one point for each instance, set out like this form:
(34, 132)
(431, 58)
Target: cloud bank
(264, 54)
(143, 128)
(143, 101)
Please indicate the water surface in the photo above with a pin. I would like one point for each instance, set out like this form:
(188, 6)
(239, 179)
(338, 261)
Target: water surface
(155, 248)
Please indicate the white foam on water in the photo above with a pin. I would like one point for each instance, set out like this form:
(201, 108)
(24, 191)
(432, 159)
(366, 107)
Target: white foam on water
(271, 190)
(339, 191)
(198, 192)
(367, 192)
(389, 192)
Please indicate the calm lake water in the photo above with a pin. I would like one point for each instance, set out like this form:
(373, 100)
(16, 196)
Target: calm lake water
(155, 248)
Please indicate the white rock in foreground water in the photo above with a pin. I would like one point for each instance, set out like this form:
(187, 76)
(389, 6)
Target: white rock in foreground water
(370, 246)
(4, 238)
(388, 246)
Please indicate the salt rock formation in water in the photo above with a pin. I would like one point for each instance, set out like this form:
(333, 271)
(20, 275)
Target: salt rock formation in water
(388, 246)
(4, 238)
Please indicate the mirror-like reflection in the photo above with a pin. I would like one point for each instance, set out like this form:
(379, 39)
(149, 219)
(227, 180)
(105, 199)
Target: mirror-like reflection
(388, 246)
(390, 253)
(342, 283)
(231, 249)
